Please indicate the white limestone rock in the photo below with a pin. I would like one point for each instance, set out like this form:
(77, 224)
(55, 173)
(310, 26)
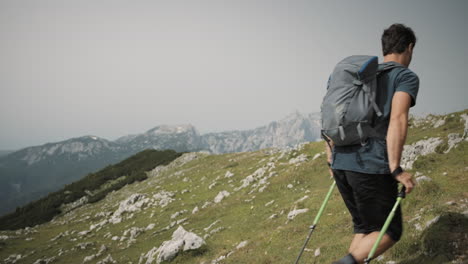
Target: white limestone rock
(439, 123)
(316, 156)
(423, 178)
(302, 199)
(258, 175)
(133, 203)
(92, 257)
(423, 147)
(418, 227)
(84, 245)
(206, 204)
(73, 205)
(464, 118)
(45, 260)
(132, 233)
(89, 258)
(299, 159)
(432, 221)
(211, 225)
(103, 214)
(317, 252)
(228, 174)
(176, 214)
(163, 198)
(181, 241)
(107, 260)
(62, 234)
(13, 258)
(150, 227)
(98, 225)
(221, 195)
(84, 233)
(191, 240)
(292, 214)
(453, 140)
(246, 182)
(242, 244)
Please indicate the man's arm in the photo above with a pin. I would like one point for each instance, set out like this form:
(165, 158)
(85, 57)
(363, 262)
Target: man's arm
(329, 154)
(396, 136)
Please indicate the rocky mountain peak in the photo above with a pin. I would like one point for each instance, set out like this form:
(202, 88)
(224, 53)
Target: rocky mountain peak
(171, 129)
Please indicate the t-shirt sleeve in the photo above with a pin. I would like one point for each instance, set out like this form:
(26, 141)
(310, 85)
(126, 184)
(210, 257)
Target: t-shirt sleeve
(407, 81)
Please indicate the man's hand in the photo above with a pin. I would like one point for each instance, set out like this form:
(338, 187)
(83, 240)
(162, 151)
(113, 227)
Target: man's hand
(407, 180)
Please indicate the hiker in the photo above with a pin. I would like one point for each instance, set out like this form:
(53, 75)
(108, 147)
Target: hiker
(367, 175)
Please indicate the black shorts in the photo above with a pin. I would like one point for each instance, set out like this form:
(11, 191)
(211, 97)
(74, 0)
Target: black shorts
(370, 198)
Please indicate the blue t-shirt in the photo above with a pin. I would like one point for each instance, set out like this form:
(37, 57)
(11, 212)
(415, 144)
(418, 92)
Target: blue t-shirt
(372, 158)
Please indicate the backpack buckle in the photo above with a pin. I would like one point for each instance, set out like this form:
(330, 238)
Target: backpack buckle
(357, 82)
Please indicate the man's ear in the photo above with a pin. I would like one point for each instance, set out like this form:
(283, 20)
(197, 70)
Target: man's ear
(410, 47)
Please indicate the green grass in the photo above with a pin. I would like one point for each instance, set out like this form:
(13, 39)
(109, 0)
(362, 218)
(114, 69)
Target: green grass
(244, 215)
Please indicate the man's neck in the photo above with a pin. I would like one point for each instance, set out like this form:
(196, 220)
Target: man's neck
(399, 58)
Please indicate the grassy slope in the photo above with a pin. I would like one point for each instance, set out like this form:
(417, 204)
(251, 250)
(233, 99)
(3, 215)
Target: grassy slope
(270, 240)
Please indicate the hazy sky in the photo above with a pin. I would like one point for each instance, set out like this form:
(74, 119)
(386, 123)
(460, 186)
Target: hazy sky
(112, 68)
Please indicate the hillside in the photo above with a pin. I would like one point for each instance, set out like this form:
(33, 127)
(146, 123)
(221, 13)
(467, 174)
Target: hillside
(256, 207)
(91, 188)
(30, 173)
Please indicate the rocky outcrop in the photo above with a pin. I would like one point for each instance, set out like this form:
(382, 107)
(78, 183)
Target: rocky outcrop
(464, 118)
(107, 260)
(92, 257)
(423, 147)
(260, 177)
(132, 204)
(299, 159)
(453, 140)
(163, 198)
(73, 205)
(182, 240)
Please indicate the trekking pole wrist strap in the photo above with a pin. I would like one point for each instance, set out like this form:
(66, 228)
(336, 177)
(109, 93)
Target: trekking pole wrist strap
(397, 172)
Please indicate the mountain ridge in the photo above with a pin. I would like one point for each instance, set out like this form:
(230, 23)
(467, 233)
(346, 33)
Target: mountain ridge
(24, 174)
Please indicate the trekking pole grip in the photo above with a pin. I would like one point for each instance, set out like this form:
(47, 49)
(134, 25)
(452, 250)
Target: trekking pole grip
(402, 192)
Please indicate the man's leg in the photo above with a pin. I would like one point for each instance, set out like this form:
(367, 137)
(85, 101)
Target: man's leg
(375, 196)
(361, 249)
(361, 246)
(348, 197)
(356, 240)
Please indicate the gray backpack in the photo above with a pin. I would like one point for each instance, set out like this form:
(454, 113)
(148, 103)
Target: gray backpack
(348, 108)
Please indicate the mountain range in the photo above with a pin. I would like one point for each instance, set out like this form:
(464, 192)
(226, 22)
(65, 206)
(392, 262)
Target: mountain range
(29, 173)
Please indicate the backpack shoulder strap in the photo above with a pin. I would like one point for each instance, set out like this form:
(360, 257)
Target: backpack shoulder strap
(383, 67)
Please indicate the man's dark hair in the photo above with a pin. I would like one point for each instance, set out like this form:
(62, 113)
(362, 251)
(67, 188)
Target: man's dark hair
(396, 39)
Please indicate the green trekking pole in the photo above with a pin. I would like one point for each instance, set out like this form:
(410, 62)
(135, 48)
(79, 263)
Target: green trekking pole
(312, 227)
(401, 195)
